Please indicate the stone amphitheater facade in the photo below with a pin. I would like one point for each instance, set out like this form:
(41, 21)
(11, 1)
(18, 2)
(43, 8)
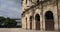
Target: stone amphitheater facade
(41, 15)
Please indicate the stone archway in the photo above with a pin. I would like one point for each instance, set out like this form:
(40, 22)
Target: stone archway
(30, 22)
(37, 19)
(49, 21)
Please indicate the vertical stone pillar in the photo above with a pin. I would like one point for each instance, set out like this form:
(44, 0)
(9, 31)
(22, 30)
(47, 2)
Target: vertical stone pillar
(32, 24)
(28, 23)
(24, 22)
(55, 21)
(55, 15)
(41, 22)
(33, 20)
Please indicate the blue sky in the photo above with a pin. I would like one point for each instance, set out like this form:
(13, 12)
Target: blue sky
(10, 8)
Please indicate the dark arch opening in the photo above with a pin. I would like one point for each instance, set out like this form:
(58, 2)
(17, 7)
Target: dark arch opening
(30, 22)
(49, 15)
(37, 19)
(26, 23)
(49, 21)
(30, 18)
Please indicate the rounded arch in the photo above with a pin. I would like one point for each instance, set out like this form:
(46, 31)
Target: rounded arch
(49, 21)
(37, 19)
(48, 15)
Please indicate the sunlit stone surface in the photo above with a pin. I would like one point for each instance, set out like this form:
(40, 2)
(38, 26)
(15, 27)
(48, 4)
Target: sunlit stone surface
(48, 18)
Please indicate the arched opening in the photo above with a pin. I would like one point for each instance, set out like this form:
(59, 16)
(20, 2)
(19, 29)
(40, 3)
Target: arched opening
(30, 22)
(26, 23)
(37, 19)
(49, 21)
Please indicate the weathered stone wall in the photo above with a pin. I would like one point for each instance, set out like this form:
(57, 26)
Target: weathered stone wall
(47, 6)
